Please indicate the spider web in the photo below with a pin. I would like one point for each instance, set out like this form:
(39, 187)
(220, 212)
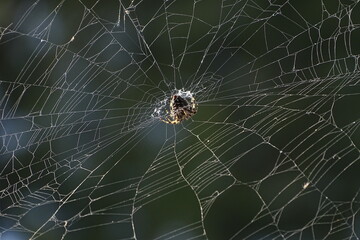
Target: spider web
(273, 152)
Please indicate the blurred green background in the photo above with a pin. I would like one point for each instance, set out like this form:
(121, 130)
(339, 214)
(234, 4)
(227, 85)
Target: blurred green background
(273, 152)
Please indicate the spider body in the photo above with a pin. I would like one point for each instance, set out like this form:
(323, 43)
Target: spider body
(180, 108)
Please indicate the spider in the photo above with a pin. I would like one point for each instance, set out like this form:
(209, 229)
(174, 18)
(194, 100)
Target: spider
(181, 108)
